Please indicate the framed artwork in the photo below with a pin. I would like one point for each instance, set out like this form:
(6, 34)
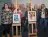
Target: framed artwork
(31, 15)
(16, 18)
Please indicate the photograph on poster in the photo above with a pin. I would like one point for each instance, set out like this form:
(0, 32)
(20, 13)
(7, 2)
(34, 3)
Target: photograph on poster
(16, 18)
(31, 15)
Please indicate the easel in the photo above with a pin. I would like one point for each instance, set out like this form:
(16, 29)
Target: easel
(17, 27)
(32, 24)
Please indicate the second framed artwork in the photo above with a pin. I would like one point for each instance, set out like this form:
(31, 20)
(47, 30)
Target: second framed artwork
(31, 15)
(16, 18)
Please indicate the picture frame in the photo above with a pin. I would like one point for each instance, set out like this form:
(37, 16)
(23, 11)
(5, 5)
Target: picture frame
(31, 15)
(16, 18)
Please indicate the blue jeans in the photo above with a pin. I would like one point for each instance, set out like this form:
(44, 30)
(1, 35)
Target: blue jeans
(43, 22)
(42, 27)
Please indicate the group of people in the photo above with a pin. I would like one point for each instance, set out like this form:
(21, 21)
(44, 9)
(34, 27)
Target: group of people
(42, 20)
(7, 20)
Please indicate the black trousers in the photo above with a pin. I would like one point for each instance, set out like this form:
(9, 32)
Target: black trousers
(1, 30)
(24, 27)
(7, 29)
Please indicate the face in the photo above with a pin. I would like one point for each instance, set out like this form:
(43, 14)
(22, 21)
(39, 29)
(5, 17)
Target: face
(35, 6)
(43, 6)
(6, 6)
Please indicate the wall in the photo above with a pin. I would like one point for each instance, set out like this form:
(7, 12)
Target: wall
(34, 2)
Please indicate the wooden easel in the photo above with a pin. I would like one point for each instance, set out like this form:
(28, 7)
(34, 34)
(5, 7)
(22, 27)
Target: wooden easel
(16, 25)
(32, 24)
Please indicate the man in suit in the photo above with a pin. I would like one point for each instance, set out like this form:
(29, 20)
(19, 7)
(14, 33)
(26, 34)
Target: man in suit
(38, 22)
(24, 25)
(46, 17)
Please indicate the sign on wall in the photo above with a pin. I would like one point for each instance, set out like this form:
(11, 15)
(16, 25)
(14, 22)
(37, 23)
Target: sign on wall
(31, 15)
(16, 18)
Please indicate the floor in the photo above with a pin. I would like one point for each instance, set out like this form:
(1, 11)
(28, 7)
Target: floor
(20, 36)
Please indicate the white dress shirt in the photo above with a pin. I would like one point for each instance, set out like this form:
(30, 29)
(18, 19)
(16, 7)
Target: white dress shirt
(43, 13)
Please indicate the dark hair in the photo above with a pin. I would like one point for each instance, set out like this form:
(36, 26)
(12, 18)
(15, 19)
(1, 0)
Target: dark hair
(4, 6)
(43, 5)
(12, 7)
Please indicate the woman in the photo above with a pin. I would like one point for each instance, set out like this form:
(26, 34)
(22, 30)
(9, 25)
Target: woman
(6, 18)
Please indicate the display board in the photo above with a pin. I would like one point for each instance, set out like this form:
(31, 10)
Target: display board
(31, 15)
(16, 18)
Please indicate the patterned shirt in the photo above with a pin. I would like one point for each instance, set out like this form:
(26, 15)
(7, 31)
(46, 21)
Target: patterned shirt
(6, 17)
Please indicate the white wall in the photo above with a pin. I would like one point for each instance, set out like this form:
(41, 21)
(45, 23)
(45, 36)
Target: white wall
(34, 2)
(37, 1)
(40, 2)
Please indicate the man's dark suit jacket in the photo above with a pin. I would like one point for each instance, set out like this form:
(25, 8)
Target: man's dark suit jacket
(46, 13)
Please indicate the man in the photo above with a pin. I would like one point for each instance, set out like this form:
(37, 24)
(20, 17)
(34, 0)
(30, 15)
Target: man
(46, 17)
(24, 25)
(38, 21)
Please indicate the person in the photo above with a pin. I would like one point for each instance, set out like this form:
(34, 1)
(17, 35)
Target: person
(6, 19)
(43, 22)
(35, 7)
(19, 11)
(24, 25)
(46, 24)
(38, 21)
